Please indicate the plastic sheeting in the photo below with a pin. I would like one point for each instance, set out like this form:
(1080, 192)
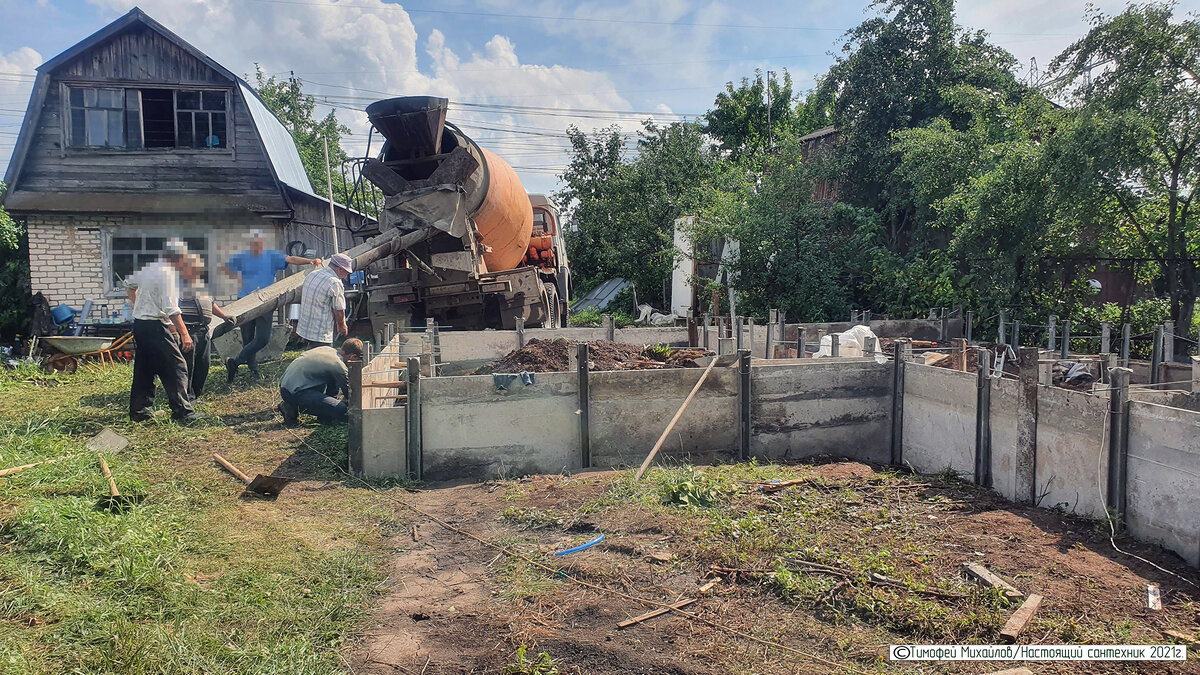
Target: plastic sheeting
(851, 343)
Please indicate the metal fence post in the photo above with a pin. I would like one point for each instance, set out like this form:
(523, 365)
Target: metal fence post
(1168, 341)
(585, 434)
(412, 410)
(1156, 355)
(1118, 439)
(770, 341)
(1196, 374)
(1016, 336)
(737, 328)
(1051, 332)
(354, 413)
(743, 392)
(899, 356)
(1002, 331)
(869, 343)
(1125, 346)
(970, 324)
(750, 335)
(983, 418)
(1066, 340)
(834, 345)
(520, 324)
(801, 347)
(1105, 337)
(610, 328)
(707, 318)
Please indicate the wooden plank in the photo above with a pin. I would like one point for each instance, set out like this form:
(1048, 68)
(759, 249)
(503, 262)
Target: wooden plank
(1020, 618)
(663, 610)
(984, 576)
(1183, 637)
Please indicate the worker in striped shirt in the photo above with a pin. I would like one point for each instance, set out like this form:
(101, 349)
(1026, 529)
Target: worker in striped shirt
(323, 303)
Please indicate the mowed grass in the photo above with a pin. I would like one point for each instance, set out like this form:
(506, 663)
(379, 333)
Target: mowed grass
(196, 578)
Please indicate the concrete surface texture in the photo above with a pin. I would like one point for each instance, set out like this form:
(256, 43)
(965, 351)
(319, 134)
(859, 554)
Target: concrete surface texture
(939, 419)
(1164, 478)
(805, 408)
(229, 344)
(1070, 428)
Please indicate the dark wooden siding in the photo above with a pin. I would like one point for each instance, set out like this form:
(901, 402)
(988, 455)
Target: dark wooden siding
(141, 55)
(143, 58)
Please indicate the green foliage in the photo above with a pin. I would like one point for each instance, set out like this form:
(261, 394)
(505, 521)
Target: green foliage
(625, 210)
(659, 352)
(543, 664)
(592, 318)
(738, 119)
(694, 490)
(297, 111)
(14, 276)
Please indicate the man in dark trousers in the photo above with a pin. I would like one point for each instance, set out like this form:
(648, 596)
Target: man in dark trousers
(254, 269)
(154, 293)
(312, 382)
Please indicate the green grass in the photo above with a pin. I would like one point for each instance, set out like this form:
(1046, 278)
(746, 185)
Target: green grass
(194, 579)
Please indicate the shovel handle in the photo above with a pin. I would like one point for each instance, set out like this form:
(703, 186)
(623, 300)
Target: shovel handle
(15, 469)
(112, 484)
(231, 468)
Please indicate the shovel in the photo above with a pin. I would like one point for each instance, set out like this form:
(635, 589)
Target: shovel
(115, 501)
(263, 485)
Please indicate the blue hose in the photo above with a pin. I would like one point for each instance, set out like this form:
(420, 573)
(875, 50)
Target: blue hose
(581, 547)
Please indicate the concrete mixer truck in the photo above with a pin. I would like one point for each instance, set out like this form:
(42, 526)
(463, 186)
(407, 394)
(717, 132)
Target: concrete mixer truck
(499, 254)
(459, 241)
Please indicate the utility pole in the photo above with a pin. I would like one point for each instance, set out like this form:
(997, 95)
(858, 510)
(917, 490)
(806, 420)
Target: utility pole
(769, 73)
(329, 185)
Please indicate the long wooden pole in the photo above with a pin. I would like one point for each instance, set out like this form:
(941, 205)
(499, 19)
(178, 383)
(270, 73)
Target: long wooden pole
(678, 414)
(329, 184)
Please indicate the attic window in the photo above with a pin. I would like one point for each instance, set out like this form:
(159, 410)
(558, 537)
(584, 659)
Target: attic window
(110, 117)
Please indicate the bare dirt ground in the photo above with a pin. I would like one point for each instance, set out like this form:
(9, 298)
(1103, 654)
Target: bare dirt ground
(458, 606)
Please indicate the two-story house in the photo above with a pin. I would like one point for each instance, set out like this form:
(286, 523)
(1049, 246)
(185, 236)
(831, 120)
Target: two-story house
(133, 136)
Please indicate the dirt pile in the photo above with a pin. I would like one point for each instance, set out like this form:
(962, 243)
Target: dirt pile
(548, 356)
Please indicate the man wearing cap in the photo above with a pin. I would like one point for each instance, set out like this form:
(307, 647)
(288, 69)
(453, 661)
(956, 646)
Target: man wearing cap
(154, 293)
(323, 303)
(254, 269)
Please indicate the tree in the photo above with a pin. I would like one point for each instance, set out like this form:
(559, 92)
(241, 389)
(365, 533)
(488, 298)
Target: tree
(894, 74)
(739, 117)
(1132, 158)
(14, 275)
(286, 98)
(625, 211)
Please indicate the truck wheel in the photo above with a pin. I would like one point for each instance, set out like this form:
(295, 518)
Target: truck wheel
(552, 312)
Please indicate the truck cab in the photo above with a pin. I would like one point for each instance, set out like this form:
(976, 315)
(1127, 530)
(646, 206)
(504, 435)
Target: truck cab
(548, 253)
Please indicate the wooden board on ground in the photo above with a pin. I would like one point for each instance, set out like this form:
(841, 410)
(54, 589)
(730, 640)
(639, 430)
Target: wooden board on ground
(1020, 618)
(985, 576)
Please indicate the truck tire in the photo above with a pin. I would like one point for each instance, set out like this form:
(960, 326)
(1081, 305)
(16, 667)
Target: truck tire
(552, 309)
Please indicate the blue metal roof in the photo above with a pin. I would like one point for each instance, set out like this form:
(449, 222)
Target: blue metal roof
(278, 143)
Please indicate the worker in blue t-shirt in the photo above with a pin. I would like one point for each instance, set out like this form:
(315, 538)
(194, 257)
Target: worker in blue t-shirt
(255, 268)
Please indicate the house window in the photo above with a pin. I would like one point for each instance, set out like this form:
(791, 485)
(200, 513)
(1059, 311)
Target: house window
(131, 253)
(110, 117)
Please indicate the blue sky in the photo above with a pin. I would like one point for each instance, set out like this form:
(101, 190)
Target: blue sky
(623, 58)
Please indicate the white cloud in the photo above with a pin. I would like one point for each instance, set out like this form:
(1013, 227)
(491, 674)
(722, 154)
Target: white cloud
(16, 83)
(351, 54)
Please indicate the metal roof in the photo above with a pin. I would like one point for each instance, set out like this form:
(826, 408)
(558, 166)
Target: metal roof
(601, 296)
(277, 142)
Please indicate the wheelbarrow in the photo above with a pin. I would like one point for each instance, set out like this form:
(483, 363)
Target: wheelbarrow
(73, 350)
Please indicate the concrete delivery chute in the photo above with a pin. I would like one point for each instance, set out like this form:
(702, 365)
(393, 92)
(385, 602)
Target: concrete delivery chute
(461, 243)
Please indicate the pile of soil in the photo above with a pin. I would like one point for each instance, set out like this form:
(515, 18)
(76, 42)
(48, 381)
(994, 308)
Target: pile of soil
(548, 356)
(969, 361)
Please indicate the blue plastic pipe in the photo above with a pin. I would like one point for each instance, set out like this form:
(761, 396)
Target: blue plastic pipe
(581, 547)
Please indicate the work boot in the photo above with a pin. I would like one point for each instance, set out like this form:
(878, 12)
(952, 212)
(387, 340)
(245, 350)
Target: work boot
(291, 414)
(231, 367)
(255, 376)
(190, 418)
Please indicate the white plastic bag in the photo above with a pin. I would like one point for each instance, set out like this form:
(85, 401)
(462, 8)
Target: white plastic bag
(851, 343)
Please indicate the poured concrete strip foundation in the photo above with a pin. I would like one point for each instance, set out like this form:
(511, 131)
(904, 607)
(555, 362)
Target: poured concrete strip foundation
(800, 408)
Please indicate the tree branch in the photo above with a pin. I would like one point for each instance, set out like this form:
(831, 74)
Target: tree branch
(1158, 255)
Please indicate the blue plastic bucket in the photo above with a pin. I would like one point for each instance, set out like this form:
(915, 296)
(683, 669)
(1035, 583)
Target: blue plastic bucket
(63, 313)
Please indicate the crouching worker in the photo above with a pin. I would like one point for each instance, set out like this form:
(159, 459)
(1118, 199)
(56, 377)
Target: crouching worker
(312, 382)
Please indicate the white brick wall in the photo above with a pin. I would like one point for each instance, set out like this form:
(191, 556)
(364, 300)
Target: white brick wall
(66, 252)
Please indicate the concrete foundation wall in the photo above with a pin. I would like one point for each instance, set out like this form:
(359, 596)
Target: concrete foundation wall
(1070, 429)
(630, 409)
(466, 351)
(1004, 437)
(1163, 493)
(470, 429)
(939, 419)
(806, 408)
(385, 442)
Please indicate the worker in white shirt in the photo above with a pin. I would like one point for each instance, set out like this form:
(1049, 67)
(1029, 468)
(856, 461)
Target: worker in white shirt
(154, 294)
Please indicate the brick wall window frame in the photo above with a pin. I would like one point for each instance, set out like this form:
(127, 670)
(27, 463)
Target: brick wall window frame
(127, 250)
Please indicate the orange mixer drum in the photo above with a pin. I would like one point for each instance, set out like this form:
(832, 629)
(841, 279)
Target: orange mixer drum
(419, 139)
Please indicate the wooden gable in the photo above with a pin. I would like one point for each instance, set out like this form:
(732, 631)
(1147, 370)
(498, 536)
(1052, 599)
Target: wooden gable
(140, 54)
